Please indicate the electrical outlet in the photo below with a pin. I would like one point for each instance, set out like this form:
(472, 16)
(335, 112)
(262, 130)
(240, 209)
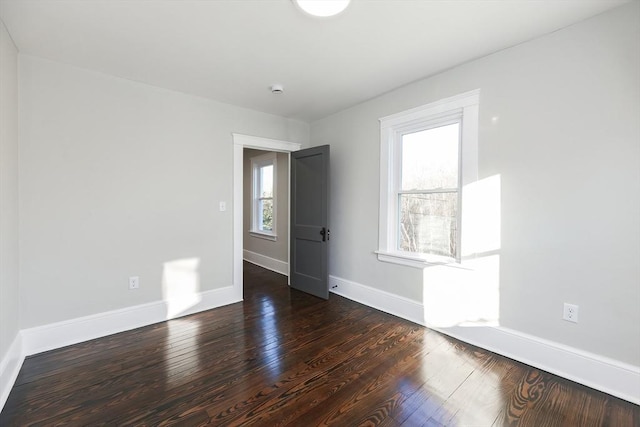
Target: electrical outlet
(134, 282)
(570, 313)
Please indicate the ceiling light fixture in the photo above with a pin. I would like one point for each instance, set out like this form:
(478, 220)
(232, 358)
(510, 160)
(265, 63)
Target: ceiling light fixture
(322, 8)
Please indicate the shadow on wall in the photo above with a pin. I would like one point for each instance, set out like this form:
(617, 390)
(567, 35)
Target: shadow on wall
(468, 294)
(181, 285)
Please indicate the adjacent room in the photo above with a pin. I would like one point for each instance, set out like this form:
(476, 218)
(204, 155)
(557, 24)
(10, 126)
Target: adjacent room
(320, 212)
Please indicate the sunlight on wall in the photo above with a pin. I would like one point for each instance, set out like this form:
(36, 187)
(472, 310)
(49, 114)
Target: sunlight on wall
(481, 217)
(468, 294)
(181, 285)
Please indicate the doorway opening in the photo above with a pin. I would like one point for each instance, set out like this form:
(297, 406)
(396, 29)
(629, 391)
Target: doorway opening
(265, 222)
(240, 142)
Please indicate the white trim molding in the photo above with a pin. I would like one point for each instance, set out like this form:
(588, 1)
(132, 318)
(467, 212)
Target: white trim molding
(60, 334)
(269, 263)
(10, 367)
(259, 143)
(462, 109)
(265, 236)
(599, 372)
(412, 260)
(384, 301)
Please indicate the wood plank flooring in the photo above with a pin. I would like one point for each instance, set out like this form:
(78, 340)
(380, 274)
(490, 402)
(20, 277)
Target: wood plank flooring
(284, 358)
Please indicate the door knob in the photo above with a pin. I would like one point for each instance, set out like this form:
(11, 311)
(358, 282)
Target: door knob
(325, 233)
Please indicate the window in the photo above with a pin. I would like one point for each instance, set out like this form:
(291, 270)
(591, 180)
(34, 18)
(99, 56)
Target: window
(427, 192)
(427, 155)
(263, 213)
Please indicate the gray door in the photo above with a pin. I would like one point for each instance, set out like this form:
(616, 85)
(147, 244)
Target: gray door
(310, 221)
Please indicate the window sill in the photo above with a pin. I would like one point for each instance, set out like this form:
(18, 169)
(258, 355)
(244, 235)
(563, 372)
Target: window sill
(414, 260)
(263, 235)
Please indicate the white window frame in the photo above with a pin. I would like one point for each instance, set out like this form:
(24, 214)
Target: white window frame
(258, 162)
(463, 107)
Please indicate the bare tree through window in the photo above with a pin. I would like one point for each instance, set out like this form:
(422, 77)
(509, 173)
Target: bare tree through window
(428, 194)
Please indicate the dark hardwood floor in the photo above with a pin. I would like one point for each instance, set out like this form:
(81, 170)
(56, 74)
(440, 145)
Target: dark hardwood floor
(285, 358)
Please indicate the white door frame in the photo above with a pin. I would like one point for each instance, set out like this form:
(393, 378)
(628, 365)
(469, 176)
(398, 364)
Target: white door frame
(240, 142)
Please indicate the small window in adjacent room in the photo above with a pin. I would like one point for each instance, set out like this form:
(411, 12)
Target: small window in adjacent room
(263, 212)
(427, 155)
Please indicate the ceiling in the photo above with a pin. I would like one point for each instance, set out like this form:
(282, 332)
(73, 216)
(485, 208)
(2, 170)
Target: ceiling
(233, 50)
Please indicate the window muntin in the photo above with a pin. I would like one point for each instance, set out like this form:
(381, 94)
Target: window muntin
(422, 185)
(263, 214)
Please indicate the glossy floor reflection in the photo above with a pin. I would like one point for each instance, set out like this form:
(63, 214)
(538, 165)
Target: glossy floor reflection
(285, 358)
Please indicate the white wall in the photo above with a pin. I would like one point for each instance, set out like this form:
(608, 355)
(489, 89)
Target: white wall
(9, 292)
(120, 179)
(560, 138)
(278, 249)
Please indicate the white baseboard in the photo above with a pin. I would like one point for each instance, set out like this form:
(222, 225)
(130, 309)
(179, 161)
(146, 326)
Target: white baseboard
(55, 335)
(599, 372)
(266, 262)
(60, 334)
(10, 367)
(384, 301)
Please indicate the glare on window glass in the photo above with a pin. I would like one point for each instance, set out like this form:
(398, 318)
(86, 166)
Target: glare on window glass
(430, 158)
(428, 220)
(266, 179)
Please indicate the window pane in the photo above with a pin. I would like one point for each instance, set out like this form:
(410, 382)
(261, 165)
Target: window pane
(430, 158)
(428, 223)
(266, 179)
(266, 211)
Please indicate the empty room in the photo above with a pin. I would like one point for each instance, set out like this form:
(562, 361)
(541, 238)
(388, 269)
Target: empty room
(320, 212)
